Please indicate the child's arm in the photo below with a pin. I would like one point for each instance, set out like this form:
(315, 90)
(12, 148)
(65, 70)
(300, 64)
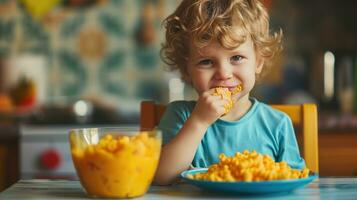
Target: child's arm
(177, 155)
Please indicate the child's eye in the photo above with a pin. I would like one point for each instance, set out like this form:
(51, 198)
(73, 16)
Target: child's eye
(236, 58)
(205, 62)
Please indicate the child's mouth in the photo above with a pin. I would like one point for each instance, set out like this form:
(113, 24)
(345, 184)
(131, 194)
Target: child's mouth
(234, 89)
(231, 88)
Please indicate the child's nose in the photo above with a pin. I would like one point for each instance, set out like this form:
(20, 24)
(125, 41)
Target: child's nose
(224, 73)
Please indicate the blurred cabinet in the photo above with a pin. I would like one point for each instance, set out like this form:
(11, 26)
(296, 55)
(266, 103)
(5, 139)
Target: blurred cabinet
(338, 153)
(9, 144)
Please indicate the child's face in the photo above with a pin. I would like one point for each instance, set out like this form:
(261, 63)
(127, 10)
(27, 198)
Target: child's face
(214, 66)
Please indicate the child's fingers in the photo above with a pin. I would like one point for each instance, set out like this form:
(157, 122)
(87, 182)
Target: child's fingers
(214, 102)
(226, 96)
(223, 103)
(212, 96)
(217, 100)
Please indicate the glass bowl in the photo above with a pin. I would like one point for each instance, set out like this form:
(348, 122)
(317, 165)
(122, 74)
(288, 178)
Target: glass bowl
(115, 162)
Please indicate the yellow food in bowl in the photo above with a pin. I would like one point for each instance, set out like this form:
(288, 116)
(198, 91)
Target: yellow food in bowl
(249, 166)
(225, 93)
(115, 165)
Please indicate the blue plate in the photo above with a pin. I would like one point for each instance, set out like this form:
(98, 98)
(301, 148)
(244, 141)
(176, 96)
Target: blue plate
(263, 187)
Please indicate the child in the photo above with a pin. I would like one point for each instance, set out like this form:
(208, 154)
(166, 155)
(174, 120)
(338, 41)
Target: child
(222, 44)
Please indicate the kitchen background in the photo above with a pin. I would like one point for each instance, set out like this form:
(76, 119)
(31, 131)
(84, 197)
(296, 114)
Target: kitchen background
(71, 63)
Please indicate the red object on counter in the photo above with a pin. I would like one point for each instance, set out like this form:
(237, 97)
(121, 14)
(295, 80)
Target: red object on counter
(50, 159)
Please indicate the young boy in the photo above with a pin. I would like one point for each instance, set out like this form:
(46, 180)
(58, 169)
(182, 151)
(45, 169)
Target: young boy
(221, 46)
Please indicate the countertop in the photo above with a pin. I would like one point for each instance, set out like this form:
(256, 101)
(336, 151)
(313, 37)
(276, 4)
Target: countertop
(323, 188)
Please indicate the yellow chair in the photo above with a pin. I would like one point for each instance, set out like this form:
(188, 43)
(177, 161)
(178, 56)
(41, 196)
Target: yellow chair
(303, 116)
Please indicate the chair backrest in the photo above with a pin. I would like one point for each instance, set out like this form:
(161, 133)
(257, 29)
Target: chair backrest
(303, 116)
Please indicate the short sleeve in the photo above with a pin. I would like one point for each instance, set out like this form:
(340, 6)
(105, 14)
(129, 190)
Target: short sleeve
(172, 121)
(288, 146)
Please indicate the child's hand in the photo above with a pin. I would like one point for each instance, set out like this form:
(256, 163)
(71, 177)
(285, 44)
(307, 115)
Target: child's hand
(225, 93)
(210, 106)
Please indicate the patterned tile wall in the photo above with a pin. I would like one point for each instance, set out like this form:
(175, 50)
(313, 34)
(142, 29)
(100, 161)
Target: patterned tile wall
(108, 52)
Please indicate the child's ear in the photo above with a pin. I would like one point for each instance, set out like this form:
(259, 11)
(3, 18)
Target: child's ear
(260, 64)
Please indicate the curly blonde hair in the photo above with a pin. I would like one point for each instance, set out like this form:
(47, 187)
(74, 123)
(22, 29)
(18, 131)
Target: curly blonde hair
(229, 22)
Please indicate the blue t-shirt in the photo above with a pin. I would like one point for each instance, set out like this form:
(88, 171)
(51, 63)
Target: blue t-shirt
(262, 128)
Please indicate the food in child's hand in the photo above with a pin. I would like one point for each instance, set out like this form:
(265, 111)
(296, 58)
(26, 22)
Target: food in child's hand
(249, 166)
(226, 93)
(117, 167)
